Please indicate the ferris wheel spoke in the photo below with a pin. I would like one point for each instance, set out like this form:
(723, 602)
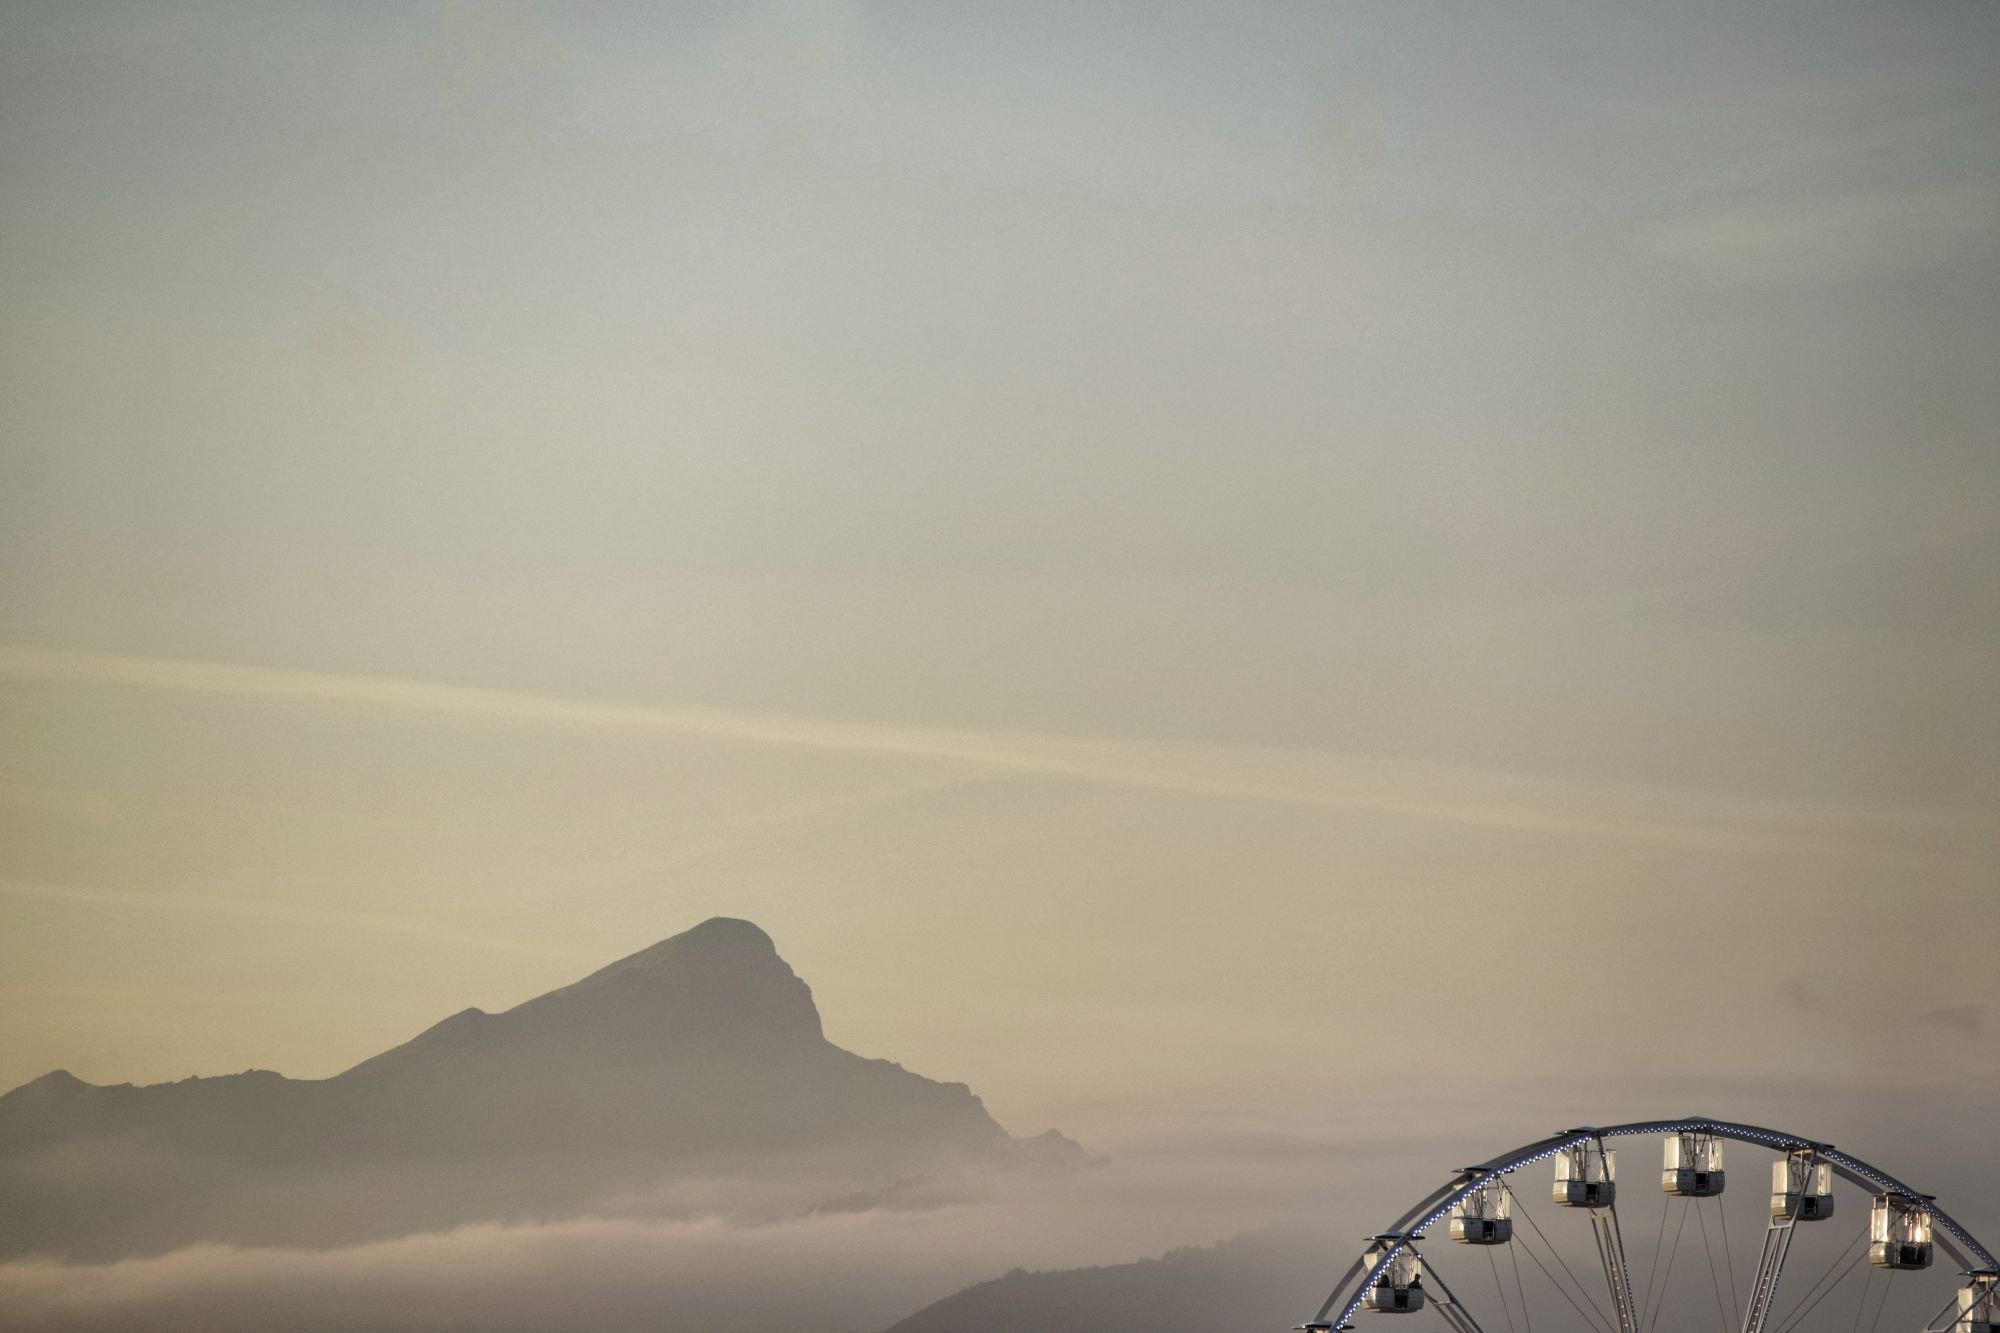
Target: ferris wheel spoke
(1714, 1278)
(1448, 1305)
(1887, 1283)
(1814, 1295)
(1586, 1309)
(1514, 1258)
(1597, 1318)
(1499, 1291)
(1770, 1266)
(1801, 1191)
(1617, 1277)
(1653, 1268)
(1861, 1306)
(1729, 1258)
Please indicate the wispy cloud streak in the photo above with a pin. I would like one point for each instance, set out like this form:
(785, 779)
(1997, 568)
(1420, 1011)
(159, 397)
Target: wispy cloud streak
(232, 905)
(1337, 782)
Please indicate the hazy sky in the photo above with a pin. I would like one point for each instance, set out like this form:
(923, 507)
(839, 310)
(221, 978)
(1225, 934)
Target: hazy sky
(1160, 550)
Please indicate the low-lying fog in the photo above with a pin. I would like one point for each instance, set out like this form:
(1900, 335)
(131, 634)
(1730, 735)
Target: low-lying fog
(722, 1256)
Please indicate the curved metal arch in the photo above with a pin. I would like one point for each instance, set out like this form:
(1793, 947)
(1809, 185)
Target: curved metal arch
(1950, 1235)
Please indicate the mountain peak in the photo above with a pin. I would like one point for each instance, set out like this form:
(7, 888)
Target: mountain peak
(721, 943)
(730, 927)
(55, 1083)
(719, 934)
(723, 978)
(720, 986)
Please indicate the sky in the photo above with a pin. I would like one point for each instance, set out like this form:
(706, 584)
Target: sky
(1184, 563)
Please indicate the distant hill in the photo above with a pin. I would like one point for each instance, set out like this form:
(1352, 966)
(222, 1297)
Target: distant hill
(700, 1055)
(1265, 1280)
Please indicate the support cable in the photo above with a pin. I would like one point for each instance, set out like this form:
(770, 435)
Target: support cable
(1595, 1321)
(1451, 1316)
(1735, 1302)
(1515, 1259)
(1498, 1290)
(1943, 1319)
(1813, 1293)
(1603, 1319)
(1446, 1301)
(1714, 1281)
(1887, 1283)
(1821, 1297)
(1653, 1269)
(1672, 1255)
(1862, 1308)
(1792, 1316)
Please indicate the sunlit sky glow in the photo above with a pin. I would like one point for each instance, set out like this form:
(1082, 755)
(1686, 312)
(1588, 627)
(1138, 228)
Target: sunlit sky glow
(1115, 533)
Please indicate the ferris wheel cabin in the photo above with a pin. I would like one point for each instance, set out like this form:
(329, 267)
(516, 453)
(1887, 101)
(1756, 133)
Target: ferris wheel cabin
(1693, 1165)
(1802, 1187)
(1978, 1304)
(1399, 1289)
(1484, 1216)
(1899, 1232)
(1586, 1175)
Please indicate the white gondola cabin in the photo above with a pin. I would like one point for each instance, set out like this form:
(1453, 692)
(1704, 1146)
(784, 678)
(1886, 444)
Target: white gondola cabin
(1693, 1165)
(1899, 1232)
(1400, 1288)
(1586, 1176)
(1978, 1304)
(1485, 1216)
(1802, 1187)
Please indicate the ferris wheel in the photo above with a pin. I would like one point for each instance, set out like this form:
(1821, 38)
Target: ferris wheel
(1396, 1273)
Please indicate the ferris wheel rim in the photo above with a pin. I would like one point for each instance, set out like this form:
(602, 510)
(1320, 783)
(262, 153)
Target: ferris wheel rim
(1949, 1236)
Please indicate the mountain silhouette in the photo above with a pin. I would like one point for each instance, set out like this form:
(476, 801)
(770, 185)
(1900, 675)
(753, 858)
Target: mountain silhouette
(1261, 1279)
(702, 1055)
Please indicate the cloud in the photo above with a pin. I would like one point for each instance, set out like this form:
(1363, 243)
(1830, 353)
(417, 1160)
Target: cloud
(1320, 780)
(714, 1257)
(1962, 1020)
(1934, 1042)
(835, 1270)
(661, 1267)
(1330, 1170)
(311, 914)
(595, 1273)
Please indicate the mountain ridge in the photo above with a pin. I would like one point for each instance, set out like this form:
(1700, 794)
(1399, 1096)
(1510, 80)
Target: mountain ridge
(701, 1052)
(1260, 1279)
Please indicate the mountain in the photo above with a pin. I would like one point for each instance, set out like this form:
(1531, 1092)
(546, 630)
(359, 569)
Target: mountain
(701, 1056)
(1266, 1279)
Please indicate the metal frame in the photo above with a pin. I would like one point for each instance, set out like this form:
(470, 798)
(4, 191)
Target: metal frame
(1777, 1244)
(1346, 1295)
(1952, 1319)
(1611, 1253)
